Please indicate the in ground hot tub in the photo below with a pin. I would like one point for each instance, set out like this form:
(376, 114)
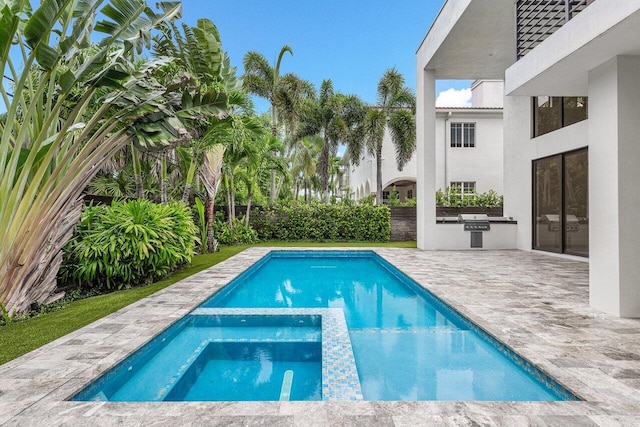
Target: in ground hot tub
(216, 354)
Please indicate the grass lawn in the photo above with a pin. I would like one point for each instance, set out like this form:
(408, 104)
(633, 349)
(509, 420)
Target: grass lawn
(19, 338)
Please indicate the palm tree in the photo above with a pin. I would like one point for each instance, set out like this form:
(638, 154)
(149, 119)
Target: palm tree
(304, 163)
(260, 159)
(263, 80)
(290, 96)
(336, 118)
(395, 112)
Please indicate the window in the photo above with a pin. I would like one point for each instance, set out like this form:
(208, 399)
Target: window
(463, 135)
(385, 195)
(463, 188)
(409, 194)
(561, 203)
(554, 112)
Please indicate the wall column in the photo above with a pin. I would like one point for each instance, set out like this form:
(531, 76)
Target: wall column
(426, 156)
(614, 199)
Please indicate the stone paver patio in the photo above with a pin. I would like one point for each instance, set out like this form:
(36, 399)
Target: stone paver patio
(535, 303)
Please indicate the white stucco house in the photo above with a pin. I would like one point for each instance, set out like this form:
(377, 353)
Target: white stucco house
(468, 150)
(571, 129)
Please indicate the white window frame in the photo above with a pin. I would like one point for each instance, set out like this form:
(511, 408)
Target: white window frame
(465, 135)
(466, 187)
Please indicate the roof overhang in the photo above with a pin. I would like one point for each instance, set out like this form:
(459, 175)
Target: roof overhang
(559, 66)
(470, 39)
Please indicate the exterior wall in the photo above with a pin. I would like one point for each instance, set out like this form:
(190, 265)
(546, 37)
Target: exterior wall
(614, 202)
(487, 93)
(426, 154)
(482, 164)
(596, 54)
(520, 149)
(360, 175)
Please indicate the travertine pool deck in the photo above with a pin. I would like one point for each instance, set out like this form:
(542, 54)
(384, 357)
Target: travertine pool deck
(535, 303)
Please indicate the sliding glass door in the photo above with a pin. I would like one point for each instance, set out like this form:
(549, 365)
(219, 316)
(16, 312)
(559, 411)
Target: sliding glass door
(561, 203)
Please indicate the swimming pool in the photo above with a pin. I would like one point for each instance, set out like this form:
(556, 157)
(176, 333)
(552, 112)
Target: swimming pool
(407, 344)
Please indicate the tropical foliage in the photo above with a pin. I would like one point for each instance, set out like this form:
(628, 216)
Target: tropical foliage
(87, 111)
(73, 105)
(128, 244)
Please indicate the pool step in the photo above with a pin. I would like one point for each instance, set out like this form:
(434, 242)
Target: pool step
(287, 382)
(264, 334)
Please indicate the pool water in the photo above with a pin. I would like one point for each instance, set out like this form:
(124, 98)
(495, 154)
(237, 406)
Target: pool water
(379, 336)
(214, 358)
(407, 344)
(253, 371)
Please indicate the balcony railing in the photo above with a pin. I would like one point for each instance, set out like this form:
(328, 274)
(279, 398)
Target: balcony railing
(538, 19)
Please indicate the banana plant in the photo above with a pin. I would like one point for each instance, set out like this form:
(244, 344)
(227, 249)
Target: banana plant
(83, 103)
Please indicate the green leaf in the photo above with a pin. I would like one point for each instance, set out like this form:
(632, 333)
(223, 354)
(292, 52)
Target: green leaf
(207, 104)
(46, 56)
(9, 21)
(66, 80)
(39, 25)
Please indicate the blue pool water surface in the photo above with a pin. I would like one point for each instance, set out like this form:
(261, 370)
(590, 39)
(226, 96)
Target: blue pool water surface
(217, 358)
(407, 343)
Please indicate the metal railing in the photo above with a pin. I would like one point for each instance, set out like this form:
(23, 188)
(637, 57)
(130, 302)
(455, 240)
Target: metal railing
(538, 19)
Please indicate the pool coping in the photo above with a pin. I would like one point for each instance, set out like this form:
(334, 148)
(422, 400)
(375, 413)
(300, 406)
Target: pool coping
(33, 388)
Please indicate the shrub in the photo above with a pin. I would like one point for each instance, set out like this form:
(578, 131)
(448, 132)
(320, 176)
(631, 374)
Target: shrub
(323, 222)
(237, 234)
(452, 198)
(394, 197)
(128, 244)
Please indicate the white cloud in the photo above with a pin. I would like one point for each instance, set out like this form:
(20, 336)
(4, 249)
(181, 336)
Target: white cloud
(454, 98)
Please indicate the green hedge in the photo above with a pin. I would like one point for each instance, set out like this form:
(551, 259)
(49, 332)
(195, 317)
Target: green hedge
(128, 244)
(323, 222)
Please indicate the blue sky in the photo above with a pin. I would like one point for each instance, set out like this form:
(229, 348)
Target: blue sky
(351, 42)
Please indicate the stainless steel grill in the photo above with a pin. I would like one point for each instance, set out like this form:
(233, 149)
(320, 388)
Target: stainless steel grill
(475, 222)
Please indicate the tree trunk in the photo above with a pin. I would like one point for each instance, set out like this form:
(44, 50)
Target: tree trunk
(212, 242)
(163, 178)
(279, 186)
(272, 197)
(249, 200)
(232, 210)
(274, 132)
(187, 184)
(137, 172)
(229, 205)
(324, 169)
(379, 175)
(38, 279)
